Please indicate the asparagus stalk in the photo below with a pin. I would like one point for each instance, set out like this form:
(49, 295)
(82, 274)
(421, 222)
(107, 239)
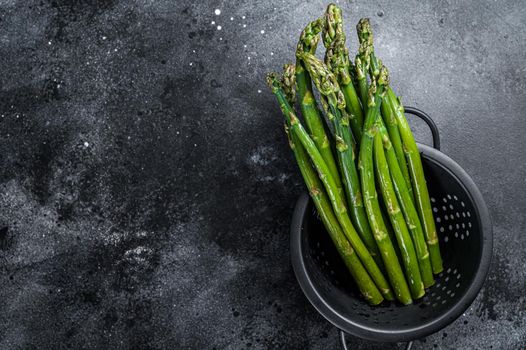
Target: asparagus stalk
(408, 208)
(325, 176)
(333, 102)
(337, 58)
(365, 165)
(396, 217)
(308, 42)
(418, 180)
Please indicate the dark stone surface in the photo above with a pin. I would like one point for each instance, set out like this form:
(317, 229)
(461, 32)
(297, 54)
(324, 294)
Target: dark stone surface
(146, 186)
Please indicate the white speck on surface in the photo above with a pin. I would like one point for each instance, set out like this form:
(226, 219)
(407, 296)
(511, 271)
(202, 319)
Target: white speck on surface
(272, 54)
(245, 46)
(191, 63)
(219, 27)
(103, 37)
(115, 49)
(213, 22)
(243, 17)
(262, 31)
(86, 144)
(49, 42)
(262, 156)
(231, 18)
(259, 91)
(195, 144)
(248, 57)
(217, 12)
(244, 25)
(220, 39)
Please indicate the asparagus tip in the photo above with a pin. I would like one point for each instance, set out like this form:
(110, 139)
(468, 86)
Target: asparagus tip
(383, 77)
(309, 37)
(363, 28)
(288, 82)
(337, 54)
(324, 80)
(273, 81)
(333, 24)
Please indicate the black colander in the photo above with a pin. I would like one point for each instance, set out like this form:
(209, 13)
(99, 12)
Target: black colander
(466, 240)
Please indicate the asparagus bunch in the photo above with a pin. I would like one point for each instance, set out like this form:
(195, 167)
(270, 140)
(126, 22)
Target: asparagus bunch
(338, 206)
(366, 180)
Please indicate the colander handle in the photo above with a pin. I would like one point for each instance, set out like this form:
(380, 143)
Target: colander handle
(344, 342)
(430, 123)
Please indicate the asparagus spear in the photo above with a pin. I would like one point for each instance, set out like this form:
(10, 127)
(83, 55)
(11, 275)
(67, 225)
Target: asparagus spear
(365, 165)
(418, 180)
(408, 208)
(365, 36)
(325, 176)
(308, 42)
(333, 102)
(337, 58)
(396, 217)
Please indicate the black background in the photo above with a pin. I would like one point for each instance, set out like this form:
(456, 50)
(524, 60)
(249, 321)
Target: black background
(146, 186)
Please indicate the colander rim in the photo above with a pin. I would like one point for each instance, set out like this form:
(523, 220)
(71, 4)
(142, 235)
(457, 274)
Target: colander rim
(428, 327)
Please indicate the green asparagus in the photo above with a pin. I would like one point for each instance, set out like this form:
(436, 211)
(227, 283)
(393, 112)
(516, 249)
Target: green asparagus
(333, 103)
(377, 211)
(337, 58)
(308, 42)
(396, 217)
(372, 206)
(408, 208)
(337, 202)
(418, 181)
(365, 36)
(323, 206)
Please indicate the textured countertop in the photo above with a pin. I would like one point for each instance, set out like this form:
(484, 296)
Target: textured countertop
(146, 186)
